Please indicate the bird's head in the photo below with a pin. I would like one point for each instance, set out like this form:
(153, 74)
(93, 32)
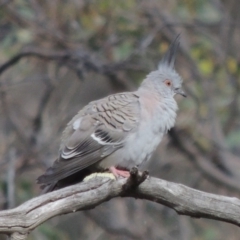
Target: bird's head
(165, 79)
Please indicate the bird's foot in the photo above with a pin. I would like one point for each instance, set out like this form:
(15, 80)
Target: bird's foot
(119, 173)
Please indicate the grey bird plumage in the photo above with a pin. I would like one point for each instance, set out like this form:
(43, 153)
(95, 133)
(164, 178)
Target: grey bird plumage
(119, 131)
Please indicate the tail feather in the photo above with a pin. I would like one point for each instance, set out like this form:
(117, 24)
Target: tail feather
(55, 185)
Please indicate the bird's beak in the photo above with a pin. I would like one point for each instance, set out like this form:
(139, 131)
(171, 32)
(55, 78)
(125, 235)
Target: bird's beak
(180, 91)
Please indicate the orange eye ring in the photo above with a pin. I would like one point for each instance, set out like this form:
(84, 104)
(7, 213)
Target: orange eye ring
(168, 83)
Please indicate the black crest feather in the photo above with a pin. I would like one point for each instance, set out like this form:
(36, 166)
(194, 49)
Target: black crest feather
(170, 55)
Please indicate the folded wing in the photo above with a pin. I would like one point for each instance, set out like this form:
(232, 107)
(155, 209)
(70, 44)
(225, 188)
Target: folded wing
(97, 131)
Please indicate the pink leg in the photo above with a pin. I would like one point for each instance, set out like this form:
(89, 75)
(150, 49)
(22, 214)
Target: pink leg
(116, 172)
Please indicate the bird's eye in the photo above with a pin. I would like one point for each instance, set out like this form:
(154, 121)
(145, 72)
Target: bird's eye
(168, 83)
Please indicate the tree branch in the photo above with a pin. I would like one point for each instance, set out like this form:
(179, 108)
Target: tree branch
(202, 161)
(77, 61)
(20, 221)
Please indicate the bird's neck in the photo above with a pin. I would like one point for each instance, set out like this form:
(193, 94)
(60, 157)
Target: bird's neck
(161, 109)
(147, 84)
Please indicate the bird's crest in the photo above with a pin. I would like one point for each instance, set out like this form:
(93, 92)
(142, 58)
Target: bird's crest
(169, 57)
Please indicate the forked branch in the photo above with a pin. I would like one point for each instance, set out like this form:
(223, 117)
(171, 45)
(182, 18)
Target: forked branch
(20, 221)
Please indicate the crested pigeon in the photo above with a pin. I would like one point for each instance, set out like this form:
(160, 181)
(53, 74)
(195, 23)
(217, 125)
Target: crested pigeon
(119, 131)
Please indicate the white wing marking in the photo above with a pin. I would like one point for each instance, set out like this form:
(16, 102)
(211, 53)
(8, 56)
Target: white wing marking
(77, 123)
(100, 141)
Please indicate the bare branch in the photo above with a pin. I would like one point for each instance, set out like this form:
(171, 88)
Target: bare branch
(202, 161)
(186, 201)
(76, 61)
(34, 53)
(11, 178)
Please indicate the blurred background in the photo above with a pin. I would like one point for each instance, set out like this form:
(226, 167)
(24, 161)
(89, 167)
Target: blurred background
(56, 56)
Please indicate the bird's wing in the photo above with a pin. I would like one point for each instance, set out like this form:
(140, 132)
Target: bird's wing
(95, 132)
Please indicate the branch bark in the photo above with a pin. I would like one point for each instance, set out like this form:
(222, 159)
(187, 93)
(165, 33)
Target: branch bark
(20, 221)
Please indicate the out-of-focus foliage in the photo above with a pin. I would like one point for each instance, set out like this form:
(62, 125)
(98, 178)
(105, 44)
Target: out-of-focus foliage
(111, 46)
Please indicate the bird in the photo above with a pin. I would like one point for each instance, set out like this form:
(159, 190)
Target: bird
(120, 131)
